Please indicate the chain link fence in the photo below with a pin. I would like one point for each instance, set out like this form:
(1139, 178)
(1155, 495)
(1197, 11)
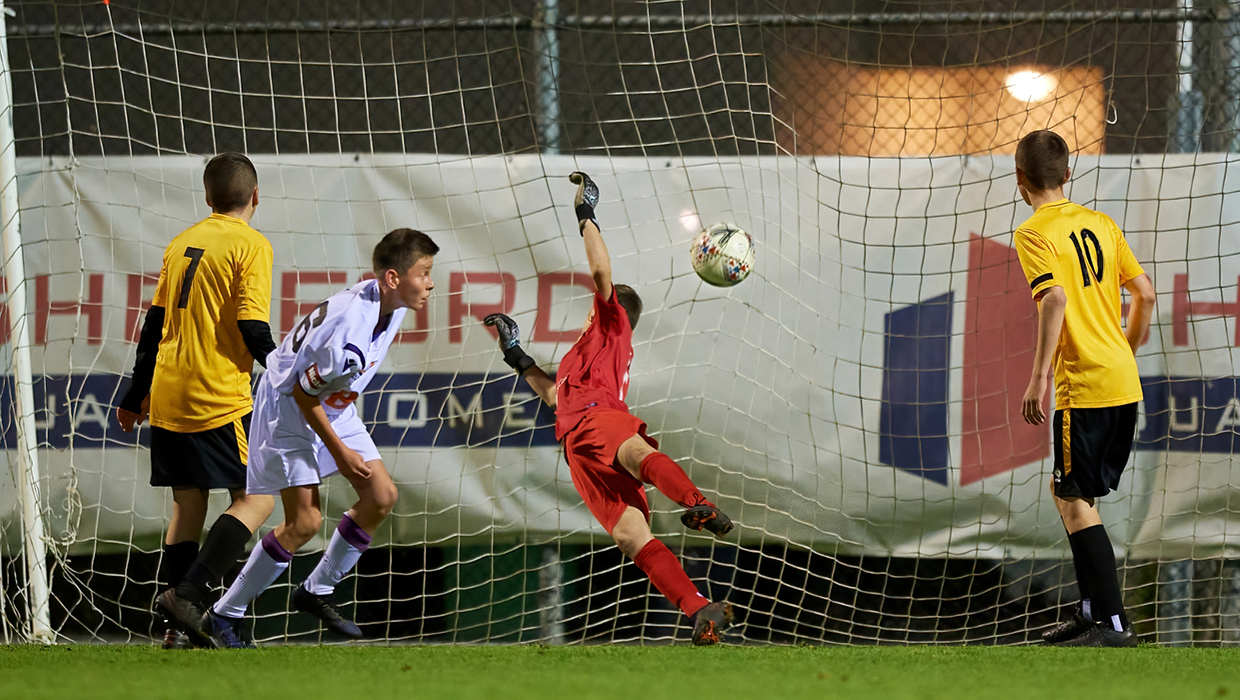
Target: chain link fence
(626, 78)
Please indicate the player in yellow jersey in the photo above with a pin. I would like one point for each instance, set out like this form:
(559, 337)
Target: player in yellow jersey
(1076, 260)
(207, 325)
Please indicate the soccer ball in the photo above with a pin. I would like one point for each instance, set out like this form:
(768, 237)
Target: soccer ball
(723, 255)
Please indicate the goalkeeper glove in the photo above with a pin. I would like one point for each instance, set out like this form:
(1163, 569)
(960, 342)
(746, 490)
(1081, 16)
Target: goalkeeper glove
(510, 342)
(586, 199)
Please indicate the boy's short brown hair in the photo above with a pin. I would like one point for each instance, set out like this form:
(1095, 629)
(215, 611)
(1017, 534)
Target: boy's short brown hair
(400, 249)
(230, 179)
(1043, 156)
(632, 303)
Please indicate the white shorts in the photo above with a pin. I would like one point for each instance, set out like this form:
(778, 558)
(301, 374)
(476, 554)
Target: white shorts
(285, 451)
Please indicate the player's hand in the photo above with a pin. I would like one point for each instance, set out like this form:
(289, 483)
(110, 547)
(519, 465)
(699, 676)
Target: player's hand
(128, 419)
(509, 333)
(585, 201)
(1031, 405)
(352, 465)
(587, 191)
(510, 342)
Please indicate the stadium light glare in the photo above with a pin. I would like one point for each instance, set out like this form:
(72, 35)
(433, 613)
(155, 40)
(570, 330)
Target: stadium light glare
(691, 221)
(1031, 85)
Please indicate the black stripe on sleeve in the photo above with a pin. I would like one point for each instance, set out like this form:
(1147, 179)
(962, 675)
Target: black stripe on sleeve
(1044, 278)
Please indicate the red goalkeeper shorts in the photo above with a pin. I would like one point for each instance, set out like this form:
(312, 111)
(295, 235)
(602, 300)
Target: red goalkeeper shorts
(590, 449)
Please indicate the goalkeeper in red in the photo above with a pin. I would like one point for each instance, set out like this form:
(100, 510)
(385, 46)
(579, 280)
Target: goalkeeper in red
(609, 454)
(1076, 260)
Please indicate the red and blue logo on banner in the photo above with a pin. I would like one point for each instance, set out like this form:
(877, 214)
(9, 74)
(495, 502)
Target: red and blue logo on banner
(999, 337)
(1179, 414)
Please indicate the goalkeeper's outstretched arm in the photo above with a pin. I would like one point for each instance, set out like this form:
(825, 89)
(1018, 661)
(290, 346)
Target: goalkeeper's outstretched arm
(515, 357)
(542, 385)
(600, 259)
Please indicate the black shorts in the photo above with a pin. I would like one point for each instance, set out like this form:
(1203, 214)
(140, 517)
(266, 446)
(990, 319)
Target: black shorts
(1091, 449)
(212, 459)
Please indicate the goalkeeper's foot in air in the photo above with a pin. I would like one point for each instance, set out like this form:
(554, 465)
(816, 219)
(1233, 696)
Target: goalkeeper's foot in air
(706, 516)
(1071, 628)
(710, 622)
(183, 615)
(322, 608)
(224, 632)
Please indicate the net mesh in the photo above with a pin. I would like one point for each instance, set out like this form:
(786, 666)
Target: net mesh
(853, 405)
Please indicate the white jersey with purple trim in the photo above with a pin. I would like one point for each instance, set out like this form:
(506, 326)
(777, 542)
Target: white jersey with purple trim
(333, 353)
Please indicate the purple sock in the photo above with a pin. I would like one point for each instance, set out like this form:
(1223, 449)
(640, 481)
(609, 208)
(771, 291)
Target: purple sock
(346, 546)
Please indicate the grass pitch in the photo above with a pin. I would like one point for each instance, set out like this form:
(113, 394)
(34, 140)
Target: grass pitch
(76, 672)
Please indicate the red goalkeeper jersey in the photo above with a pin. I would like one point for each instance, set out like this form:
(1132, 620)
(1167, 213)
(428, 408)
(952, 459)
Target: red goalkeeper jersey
(595, 372)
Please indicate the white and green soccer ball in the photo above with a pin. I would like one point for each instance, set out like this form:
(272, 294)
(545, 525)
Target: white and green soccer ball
(723, 255)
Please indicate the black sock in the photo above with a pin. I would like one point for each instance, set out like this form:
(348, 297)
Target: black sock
(176, 561)
(1079, 559)
(224, 546)
(1098, 560)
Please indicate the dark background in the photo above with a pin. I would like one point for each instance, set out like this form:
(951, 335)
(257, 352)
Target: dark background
(312, 76)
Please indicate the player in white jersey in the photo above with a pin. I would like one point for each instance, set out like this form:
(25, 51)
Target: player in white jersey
(306, 427)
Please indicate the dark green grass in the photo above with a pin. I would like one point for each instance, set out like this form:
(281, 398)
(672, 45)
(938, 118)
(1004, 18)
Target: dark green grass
(637, 673)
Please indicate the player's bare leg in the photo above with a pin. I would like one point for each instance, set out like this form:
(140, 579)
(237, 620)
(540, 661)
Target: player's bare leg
(1077, 513)
(189, 512)
(632, 535)
(376, 495)
(303, 515)
(251, 509)
(650, 466)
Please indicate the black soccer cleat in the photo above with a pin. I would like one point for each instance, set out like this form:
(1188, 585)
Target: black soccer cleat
(182, 614)
(710, 622)
(224, 632)
(587, 190)
(1069, 629)
(322, 608)
(707, 517)
(1102, 635)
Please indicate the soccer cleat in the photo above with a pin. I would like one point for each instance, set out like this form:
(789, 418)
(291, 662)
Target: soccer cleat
(710, 622)
(587, 191)
(223, 632)
(707, 517)
(176, 639)
(1102, 636)
(322, 608)
(183, 615)
(1069, 629)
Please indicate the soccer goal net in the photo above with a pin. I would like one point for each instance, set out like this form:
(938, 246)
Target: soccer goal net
(853, 405)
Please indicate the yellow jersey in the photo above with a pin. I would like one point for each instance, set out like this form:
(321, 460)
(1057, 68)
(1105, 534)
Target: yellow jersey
(215, 273)
(1084, 252)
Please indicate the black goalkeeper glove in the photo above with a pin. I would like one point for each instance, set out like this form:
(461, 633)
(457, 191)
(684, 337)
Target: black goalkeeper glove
(586, 200)
(510, 342)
